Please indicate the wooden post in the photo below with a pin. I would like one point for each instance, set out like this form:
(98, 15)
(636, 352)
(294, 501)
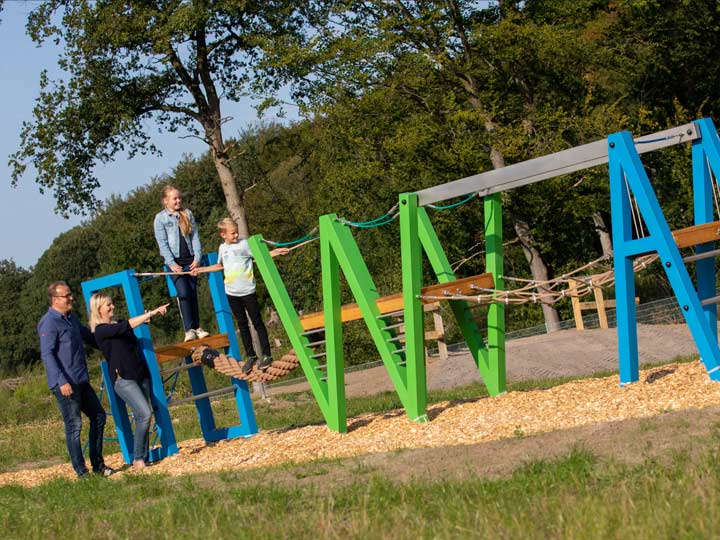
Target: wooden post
(577, 312)
(600, 304)
(440, 332)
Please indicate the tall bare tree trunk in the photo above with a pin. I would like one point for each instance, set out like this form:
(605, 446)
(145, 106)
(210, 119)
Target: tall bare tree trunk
(539, 271)
(233, 197)
(605, 238)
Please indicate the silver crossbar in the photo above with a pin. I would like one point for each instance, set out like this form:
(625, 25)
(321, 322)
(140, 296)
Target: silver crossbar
(701, 256)
(550, 166)
(313, 331)
(711, 301)
(177, 369)
(391, 314)
(218, 392)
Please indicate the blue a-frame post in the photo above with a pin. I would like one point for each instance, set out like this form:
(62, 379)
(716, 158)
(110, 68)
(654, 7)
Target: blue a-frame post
(131, 290)
(627, 176)
(168, 444)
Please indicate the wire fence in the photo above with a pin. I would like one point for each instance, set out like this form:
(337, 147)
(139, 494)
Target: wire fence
(665, 311)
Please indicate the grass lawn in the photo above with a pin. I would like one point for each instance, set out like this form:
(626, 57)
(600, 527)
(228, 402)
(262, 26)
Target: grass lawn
(577, 495)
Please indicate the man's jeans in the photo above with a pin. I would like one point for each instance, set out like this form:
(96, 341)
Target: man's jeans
(136, 395)
(85, 400)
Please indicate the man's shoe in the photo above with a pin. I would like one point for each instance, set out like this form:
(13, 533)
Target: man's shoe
(105, 471)
(265, 363)
(190, 335)
(248, 365)
(200, 333)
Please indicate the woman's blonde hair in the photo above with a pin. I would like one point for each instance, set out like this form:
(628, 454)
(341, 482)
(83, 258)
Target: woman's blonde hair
(184, 221)
(97, 300)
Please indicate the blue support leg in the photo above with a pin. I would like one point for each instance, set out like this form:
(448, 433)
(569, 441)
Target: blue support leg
(243, 402)
(624, 275)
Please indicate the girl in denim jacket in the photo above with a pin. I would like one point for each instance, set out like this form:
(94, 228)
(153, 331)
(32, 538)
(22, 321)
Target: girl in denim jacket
(179, 241)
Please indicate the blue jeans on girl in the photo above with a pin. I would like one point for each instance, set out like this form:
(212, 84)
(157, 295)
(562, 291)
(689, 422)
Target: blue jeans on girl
(186, 287)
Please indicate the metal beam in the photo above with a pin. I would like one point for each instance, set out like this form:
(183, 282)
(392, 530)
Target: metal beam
(550, 166)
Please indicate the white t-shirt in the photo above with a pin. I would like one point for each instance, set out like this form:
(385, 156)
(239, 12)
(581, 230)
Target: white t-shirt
(237, 261)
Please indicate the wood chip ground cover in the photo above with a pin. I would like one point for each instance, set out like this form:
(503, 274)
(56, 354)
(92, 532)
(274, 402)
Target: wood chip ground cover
(672, 387)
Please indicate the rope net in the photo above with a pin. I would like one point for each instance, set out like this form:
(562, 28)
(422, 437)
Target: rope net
(547, 291)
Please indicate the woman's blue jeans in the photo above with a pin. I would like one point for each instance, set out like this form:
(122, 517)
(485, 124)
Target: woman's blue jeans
(186, 287)
(136, 394)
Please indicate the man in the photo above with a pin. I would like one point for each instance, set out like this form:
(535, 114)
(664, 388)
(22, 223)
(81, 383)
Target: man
(62, 352)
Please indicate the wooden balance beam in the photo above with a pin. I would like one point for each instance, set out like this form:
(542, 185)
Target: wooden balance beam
(394, 302)
(168, 353)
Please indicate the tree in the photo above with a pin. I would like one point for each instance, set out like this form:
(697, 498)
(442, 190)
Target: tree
(517, 69)
(17, 346)
(132, 63)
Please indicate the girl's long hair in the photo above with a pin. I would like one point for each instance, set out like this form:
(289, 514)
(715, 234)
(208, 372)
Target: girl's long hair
(97, 300)
(183, 221)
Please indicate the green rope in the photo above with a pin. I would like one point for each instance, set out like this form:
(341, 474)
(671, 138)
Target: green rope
(309, 236)
(369, 224)
(453, 205)
(387, 217)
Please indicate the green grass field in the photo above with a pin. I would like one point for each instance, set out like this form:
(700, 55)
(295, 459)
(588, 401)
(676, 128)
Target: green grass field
(576, 496)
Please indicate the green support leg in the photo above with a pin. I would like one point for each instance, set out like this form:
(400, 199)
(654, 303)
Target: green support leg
(411, 251)
(333, 332)
(496, 383)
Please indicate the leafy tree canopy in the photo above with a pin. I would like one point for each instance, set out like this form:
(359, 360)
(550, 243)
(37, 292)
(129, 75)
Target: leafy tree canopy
(131, 64)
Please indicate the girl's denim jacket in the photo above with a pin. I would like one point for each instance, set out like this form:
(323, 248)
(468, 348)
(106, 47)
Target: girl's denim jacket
(167, 234)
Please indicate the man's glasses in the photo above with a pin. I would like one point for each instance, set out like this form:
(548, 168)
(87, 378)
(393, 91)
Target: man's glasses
(69, 295)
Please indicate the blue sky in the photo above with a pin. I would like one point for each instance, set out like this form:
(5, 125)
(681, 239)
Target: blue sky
(27, 219)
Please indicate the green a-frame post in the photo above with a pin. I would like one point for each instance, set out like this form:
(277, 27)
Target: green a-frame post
(405, 365)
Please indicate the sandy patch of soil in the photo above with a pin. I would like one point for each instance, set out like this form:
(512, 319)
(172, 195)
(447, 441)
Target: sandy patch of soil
(560, 354)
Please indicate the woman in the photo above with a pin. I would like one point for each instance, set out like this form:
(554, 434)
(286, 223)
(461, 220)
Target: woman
(177, 236)
(128, 369)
